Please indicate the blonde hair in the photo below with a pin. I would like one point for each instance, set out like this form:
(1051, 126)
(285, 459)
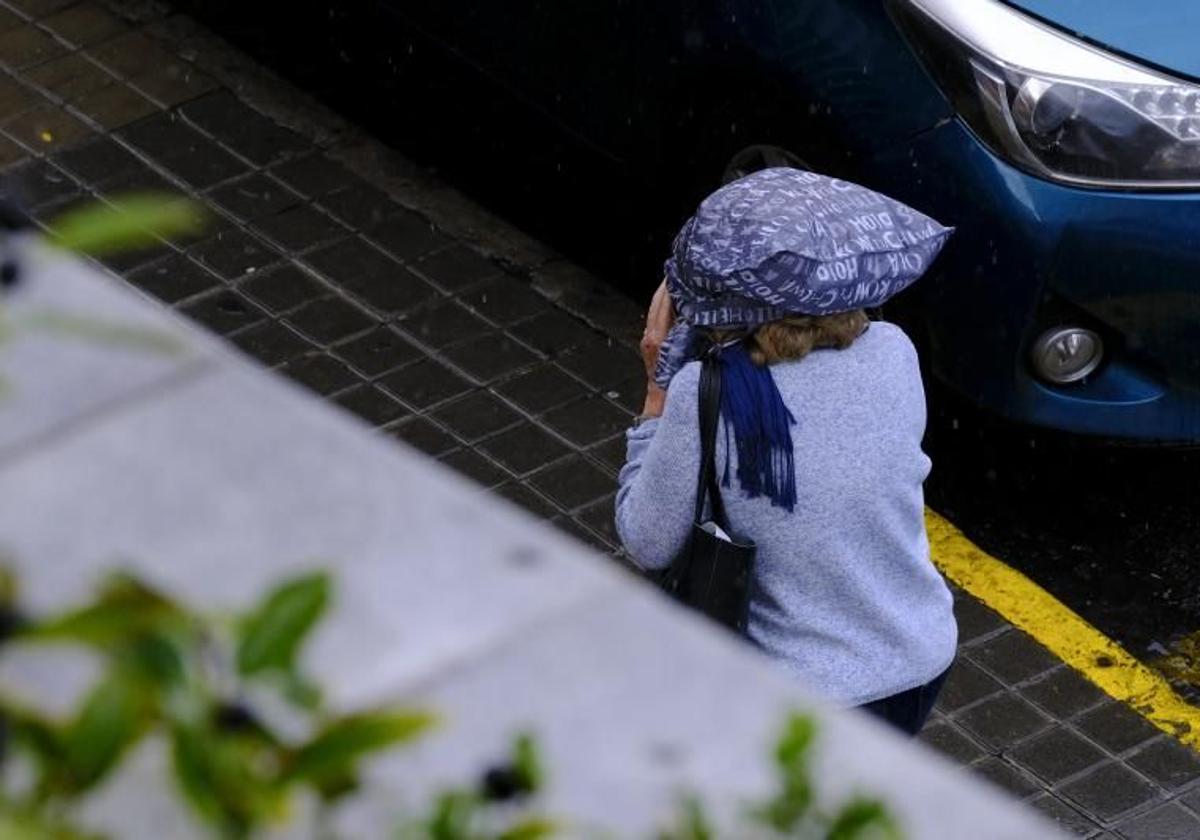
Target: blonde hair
(794, 338)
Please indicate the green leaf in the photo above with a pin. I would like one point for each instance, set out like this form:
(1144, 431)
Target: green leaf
(124, 609)
(107, 724)
(336, 750)
(792, 749)
(531, 828)
(131, 222)
(453, 815)
(272, 634)
(863, 818)
(693, 823)
(229, 780)
(527, 763)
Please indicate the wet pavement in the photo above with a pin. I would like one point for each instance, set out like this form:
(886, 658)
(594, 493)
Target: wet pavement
(366, 279)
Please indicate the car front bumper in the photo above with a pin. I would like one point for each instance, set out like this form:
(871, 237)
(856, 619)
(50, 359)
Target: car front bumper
(1030, 254)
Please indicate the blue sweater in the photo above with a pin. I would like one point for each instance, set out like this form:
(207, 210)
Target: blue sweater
(844, 592)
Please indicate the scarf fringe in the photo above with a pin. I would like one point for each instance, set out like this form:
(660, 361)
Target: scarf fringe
(761, 424)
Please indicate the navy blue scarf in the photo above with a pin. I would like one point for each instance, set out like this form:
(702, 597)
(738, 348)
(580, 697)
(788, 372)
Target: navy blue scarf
(761, 426)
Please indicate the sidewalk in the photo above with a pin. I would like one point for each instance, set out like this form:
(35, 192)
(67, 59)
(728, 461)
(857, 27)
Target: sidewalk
(354, 273)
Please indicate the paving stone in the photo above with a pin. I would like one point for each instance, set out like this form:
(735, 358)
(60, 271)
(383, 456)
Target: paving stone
(283, 288)
(39, 183)
(47, 128)
(490, 356)
(442, 323)
(951, 742)
(1001, 773)
(313, 175)
(361, 206)
(10, 20)
(40, 8)
(503, 299)
(233, 253)
(554, 332)
(1116, 727)
(604, 363)
(1109, 791)
(161, 136)
(271, 343)
(242, 128)
(131, 54)
(974, 619)
(1191, 799)
(1002, 721)
(11, 153)
(612, 451)
(99, 161)
(1166, 822)
(522, 496)
(541, 388)
(142, 180)
(588, 420)
(84, 24)
(1167, 762)
(1063, 693)
(371, 404)
(573, 482)
(113, 106)
(524, 448)
(26, 46)
(300, 228)
(1068, 818)
(425, 435)
(172, 279)
(1057, 754)
(966, 684)
(327, 320)
(378, 351)
(407, 236)
(320, 372)
(475, 416)
(204, 164)
(456, 268)
(174, 83)
(254, 196)
(630, 394)
(223, 311)
(476, 467)
(123, 262)
(425, 383)
(601, 518)
(370, 275)
(1013, 656)
(16, 96)
(69, 76)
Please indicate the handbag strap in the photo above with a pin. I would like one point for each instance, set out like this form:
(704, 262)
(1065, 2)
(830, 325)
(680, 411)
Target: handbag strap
(709, 408)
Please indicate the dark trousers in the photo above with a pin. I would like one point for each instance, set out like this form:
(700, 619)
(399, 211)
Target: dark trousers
(908, 710)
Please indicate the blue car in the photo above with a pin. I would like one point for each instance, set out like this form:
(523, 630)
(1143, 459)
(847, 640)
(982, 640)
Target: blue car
(1060, 137)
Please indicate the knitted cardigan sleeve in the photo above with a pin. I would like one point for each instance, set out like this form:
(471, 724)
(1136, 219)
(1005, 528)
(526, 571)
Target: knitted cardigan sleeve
(657, 493)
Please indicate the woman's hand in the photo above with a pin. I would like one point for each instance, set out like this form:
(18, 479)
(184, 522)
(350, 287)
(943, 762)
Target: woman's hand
(659, 320)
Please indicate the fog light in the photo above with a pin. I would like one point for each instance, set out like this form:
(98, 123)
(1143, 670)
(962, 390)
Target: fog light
(1067, 354)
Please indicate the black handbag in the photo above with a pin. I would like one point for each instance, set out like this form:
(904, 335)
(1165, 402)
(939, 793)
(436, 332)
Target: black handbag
(712, 574)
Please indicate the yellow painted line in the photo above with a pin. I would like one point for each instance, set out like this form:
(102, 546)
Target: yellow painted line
(1080, 645)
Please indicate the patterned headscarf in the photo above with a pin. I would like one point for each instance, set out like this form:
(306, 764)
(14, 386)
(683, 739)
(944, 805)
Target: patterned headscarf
(783, 242)
(776, 243)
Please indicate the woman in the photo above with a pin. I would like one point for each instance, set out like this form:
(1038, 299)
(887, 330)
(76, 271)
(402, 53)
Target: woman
(820, 442)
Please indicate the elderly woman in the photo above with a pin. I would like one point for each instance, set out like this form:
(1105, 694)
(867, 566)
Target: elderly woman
(819, 446)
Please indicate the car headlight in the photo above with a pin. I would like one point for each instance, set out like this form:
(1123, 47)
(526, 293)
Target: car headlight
(1052, 104)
